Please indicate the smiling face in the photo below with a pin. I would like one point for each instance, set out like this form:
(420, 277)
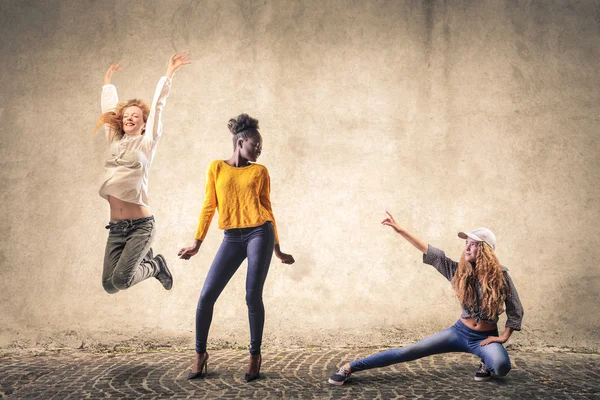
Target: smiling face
(472, 249)
(133, 121)
(251, 148)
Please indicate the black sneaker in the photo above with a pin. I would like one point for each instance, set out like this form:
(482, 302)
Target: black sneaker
(340, 377)
(482, 374)
(164, 275)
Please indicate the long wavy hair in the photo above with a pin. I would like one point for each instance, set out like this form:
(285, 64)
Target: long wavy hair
(488, 272)
(114, 119)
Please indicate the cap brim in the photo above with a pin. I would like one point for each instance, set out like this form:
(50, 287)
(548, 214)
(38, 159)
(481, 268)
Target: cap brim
(465, 235)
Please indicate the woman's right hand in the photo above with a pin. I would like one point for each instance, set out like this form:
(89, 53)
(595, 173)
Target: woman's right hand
(187, 252)
(390, 221)
(113, 68)
(412, 239)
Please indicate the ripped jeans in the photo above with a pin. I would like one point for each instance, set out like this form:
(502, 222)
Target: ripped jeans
(457, 338)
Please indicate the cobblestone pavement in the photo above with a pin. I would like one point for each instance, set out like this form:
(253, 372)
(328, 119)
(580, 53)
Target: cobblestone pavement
(289, 374)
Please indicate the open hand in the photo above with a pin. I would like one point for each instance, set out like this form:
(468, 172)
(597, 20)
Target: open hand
(492, 339)
(113, 68)
(176, 61)
(390, 221)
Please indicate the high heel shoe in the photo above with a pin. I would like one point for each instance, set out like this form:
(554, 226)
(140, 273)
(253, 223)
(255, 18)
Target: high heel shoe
(203, 367)
(250, 377)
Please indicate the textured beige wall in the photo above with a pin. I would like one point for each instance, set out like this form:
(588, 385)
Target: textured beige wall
(450, 114)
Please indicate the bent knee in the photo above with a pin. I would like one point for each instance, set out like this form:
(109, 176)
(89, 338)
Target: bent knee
(121, 282)
(501, 368)
(109, 287)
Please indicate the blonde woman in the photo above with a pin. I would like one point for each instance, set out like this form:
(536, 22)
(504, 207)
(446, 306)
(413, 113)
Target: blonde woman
(132, 133)
(484, 289)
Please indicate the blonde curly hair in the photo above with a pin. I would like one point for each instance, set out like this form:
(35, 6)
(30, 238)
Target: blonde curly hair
(488, 272)
(114, 119)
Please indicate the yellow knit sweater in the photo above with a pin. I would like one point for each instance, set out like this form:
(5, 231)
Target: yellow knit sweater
(242, 196)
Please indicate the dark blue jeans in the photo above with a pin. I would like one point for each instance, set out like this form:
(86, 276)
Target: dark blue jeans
(256, 244)
(457, 338)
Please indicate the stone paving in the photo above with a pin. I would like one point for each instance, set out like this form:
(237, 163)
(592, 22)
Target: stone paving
(288, 374)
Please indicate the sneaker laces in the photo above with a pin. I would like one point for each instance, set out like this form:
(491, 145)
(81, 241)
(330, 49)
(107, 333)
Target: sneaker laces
(483, 368)
(343, 371)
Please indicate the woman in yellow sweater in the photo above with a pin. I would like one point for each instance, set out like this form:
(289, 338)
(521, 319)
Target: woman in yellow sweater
(240, 190)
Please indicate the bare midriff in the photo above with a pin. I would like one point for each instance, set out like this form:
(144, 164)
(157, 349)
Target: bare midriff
(120, 210)
(478, 326)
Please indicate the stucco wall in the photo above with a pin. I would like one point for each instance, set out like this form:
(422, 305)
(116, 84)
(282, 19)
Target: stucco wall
(450, 114)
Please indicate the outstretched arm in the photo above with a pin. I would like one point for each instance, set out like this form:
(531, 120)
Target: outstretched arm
(410, 237)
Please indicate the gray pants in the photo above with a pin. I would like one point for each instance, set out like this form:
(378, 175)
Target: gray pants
(127, 260)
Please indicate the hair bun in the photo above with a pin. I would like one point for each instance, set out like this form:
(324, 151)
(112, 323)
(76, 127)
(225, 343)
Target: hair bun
(241, 123)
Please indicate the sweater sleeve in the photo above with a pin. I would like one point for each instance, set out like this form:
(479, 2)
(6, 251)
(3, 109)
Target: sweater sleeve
(438, 260)
(108, 101)
(210, 203)
(265, 200)
(154, 122)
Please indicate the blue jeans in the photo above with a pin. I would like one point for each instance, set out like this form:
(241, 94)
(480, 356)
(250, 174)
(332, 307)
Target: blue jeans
(256, 244)
(457, 338)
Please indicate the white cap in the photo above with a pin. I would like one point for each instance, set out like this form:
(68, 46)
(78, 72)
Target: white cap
(480, 235)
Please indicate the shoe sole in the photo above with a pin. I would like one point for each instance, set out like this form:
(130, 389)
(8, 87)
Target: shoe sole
(165, 269)
(482, 379)
(332, 382)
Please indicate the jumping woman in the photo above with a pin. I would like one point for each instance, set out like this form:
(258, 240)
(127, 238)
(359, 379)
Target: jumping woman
(484, 289)
(132, 133)
(240, 190)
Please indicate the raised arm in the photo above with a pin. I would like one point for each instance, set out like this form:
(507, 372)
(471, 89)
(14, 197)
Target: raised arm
(431, 255)
(154, 122)
(109, 98)
(410, 237)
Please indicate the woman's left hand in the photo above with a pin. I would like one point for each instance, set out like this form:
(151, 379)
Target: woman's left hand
(493, 339)
(176, 61)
